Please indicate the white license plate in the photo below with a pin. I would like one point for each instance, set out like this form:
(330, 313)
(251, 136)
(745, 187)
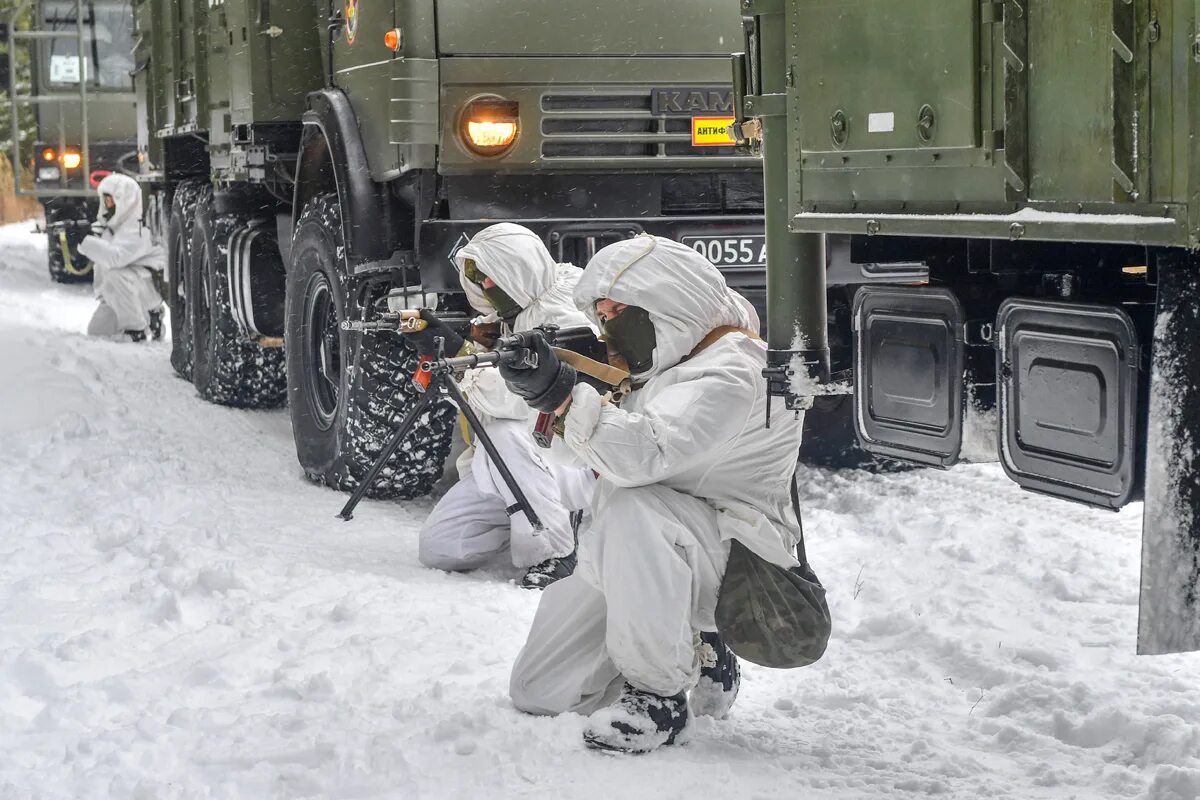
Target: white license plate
(730, 252)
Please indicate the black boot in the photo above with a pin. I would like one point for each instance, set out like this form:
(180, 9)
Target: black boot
(720, 677)
(539, 576)
(136, 336)
(638, 722)
(156, 326)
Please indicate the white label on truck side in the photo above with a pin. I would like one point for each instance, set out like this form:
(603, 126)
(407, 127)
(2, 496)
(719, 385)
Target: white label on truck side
(64, 69)
(881, 122)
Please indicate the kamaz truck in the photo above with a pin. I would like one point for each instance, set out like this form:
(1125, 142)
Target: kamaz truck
(310, 162)
(81, 93)
(1042, 159)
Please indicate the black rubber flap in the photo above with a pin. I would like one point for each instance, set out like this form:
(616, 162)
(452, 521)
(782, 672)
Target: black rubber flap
(908, 373)
(1068, 397)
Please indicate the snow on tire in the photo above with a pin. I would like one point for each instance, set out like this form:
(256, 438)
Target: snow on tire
(228, 368)
(342, 416)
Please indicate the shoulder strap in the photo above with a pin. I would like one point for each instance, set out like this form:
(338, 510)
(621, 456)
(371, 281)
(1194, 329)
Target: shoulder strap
(801, 552)
(716, 334)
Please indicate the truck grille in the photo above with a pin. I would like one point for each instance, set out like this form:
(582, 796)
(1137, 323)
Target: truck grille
(618, 125)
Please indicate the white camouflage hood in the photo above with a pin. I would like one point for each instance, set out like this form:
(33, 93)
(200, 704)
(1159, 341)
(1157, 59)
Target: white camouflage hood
(516, 259)
(127, 195)
(685, 295)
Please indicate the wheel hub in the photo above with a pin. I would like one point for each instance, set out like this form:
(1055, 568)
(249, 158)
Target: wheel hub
(322, 351)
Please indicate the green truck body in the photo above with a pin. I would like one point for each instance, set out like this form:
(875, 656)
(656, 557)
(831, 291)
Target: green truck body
(1042, 159)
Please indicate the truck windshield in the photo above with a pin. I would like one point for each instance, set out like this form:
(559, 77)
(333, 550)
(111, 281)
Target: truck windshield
(108, 45)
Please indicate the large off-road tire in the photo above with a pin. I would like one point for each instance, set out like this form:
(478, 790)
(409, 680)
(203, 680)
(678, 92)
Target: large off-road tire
(343, 417)
(179, 260)
(228, 368)
(69, 266)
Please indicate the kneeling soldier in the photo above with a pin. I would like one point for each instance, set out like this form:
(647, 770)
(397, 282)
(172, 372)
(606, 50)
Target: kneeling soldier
(685, 465)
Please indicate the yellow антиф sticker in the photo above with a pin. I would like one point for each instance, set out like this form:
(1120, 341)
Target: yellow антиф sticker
(712, 132)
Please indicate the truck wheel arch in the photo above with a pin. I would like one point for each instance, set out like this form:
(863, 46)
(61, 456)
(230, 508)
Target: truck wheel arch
(332, 159)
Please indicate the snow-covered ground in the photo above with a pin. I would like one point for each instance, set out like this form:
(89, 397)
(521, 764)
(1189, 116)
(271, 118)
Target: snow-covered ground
(181, 616)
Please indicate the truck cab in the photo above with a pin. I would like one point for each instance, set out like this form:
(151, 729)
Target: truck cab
(314, 160)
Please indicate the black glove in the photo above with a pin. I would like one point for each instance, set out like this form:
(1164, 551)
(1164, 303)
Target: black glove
(424, 342)
(544, 387)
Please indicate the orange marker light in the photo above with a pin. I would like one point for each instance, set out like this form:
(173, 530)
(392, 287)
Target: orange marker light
(48, 154)
(392, 40)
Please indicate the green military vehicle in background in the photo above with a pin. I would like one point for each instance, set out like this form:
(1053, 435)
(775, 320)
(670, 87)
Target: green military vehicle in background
(1043, 160)
(81, 93)
(310, 161)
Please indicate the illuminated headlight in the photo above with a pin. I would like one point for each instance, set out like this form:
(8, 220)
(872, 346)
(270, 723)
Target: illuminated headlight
(413, 300)
(48, 173)
(71, 159)
(490, 125)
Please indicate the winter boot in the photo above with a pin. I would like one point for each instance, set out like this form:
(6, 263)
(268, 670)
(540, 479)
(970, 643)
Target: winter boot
(135, 336)
(156, 325)
(720, 677)
(638, 722)
(539, 576)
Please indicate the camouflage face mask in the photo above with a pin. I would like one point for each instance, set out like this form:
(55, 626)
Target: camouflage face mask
(506, 307)
(631, 334)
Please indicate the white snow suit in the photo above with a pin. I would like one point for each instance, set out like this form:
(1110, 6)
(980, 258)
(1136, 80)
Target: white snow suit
(123, 254)
(470, 526)
(685, 464)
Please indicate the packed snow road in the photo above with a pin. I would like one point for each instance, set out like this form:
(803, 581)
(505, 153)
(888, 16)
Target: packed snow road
(181, 616)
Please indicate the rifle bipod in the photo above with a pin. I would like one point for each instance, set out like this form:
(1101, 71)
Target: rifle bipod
(441, 384)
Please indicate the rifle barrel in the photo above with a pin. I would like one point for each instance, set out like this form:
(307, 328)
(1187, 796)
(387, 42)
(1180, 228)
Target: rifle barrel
(466, 362)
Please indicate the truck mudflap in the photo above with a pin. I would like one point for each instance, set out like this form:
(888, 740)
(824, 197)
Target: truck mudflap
(1068, 399)
(1169, 609)
(908, 373)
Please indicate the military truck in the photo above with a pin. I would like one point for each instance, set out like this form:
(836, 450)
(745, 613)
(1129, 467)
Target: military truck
(310, 161)
(81, 71)
(1043, 160)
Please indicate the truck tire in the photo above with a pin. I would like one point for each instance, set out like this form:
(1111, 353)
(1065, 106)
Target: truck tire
(343, 417)
(227, 367)
(179, 246)
(77, 270)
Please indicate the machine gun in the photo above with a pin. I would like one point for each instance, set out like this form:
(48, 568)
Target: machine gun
(435, 379)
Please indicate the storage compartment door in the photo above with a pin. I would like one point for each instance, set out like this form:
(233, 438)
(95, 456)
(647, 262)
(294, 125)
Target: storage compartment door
(1068, 385)
(908, 373)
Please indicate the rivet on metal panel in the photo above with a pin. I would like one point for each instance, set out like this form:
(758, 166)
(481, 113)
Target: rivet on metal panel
(1016, 231)
(872, 227)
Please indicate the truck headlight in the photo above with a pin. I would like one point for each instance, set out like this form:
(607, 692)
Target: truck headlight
(72, 159)
(490, 125)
